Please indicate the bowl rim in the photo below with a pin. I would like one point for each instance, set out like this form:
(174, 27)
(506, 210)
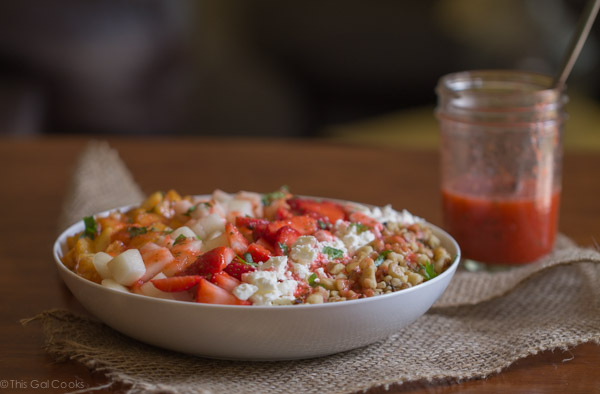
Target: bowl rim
(78, 226)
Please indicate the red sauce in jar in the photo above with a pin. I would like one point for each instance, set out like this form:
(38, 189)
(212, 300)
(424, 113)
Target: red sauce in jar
(502, 230)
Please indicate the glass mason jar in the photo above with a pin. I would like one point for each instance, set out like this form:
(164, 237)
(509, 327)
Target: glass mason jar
(501, 162)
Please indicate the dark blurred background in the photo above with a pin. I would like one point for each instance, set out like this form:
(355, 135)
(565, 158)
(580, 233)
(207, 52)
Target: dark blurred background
(261, 67)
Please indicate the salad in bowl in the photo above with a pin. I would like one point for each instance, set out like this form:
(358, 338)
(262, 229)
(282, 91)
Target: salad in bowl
(255, 276)
(252, 249)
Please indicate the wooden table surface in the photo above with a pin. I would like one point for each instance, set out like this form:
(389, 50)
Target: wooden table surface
(35, 174)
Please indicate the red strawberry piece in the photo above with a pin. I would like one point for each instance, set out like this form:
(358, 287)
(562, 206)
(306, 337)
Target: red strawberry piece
(246, 233)
(236, 268)
(211, 262)
(283, 213)
(209, 293)
(304, 225)
(155, 259)
(265, 244)
(225, 281)
(257, 226)
(259, 252)
(237, 241)
(284, 239)
(373, 224)
(251, 223)
(176, 283)
(324, 236)
(272, 229)
(328, 210)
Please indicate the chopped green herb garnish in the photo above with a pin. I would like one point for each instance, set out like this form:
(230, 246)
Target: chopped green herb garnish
(190, 210)
(90, 226)
(276, 195)
(135, 231)
(313, 281)
(428, 270)
(247, 259)
(322, 225)
(381, 258)
(333, 253)
(360, 228)
(180, 238)
(284, 248)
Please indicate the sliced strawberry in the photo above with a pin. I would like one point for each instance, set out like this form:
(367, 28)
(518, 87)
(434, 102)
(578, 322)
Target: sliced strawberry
(176, 283)
(246, 233)
(284, 239)
(373, 224)
(155, 259)
(236, 268)
(304, 225)
(257, 226)
(237, 241)
(251, 223)
(265, 244)
(259, 252)
(225, 281)
(282, 213)
(211, 262)
(328, 210)
(136, 287)
(185, 253)
(272, 229)
(209, 293)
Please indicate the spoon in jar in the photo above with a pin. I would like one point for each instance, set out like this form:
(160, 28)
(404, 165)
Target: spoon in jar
(581, 33)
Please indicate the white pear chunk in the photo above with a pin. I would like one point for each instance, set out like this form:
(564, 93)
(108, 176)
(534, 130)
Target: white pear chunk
(182, 208)
(183, 230)
(218, 239)
(128, 267)
(150, 290)
(100, 262)
(111, 284)
(208, 225)
(240, 207)
(221, 196)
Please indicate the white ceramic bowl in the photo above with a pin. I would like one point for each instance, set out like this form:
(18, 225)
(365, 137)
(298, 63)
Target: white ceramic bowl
(256, 332)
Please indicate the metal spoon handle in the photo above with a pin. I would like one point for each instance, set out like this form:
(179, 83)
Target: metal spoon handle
(583, 29)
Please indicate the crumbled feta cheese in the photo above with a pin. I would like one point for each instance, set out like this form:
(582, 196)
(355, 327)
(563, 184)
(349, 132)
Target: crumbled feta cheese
(301, 270)
(388, 214)
(269, 290)
(244, 291)
(320, 272)
(277, 264)
(336, 244)
(352, 239)
(304, 250)
(287, 289)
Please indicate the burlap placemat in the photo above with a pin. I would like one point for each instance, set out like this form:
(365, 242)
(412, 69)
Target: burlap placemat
(482, 324)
